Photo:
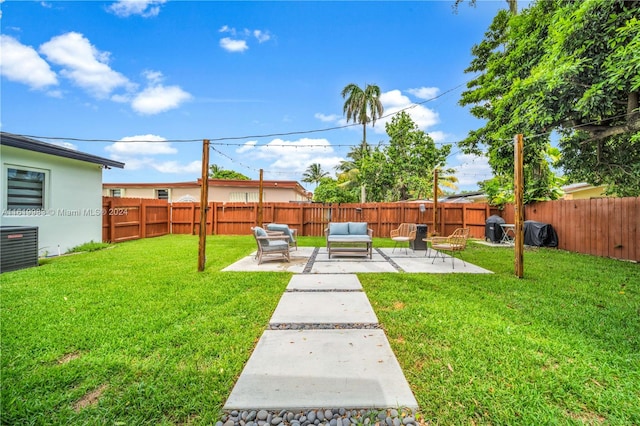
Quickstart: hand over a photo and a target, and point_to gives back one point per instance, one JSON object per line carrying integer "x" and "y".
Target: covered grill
{"x": 539, "y": 234}
{"x": 492, "y": 229}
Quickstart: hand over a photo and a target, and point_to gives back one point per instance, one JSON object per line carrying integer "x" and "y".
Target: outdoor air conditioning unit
{"x": 18, "y": 247}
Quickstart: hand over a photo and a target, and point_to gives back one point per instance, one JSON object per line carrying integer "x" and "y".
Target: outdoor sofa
{"x": 349, "y": 238}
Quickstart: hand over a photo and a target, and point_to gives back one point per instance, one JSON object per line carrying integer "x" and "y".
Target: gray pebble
{"x": 311, "y": 416}
{"x": 407, "y": 420}
{"x": 393, "y": 413}
{"x": 339, "y": 421}
{"x": 276, "y": 420}
{"x": 320, "y": 415}
{"x": 333, "y": 422}
{"x": 219, "y": 423}
{"x": 262, "y": 415}
{"x": 397, "y": 422}
{"x": 229, "y": 423}
{"x": 389, "y": 421}
{"x": 251, "y": 416}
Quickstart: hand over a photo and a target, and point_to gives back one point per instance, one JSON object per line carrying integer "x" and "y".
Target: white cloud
{"x": 138, "y": 153}
{"x": 293, "y": 157}
{"x": 231, "y": 45}
{"x": 154, "y": 77}
{"x": 394, "y": 101}
{"x": 67, "y": 145}
{"x": 238, "y": 42}
{"x": 144, "y": 8}
{"x": 84, "y": 65}
{"x": 159, "y": 98}
{"x": 472, "y": 169}
{"x": 248, "y": 146}
{"x": 439, "y": 136}
{"x": 424, "y": 92}
{"x": 176, "y": 167}
{"x": 22, "y": 64}
{"x": 261, "y": 36}
{"x": 326, "y": 118}
{"x": 141, "y": 144}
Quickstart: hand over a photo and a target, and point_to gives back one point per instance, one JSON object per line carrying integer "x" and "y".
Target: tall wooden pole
{"x": 260, "y": 190}
{"x": 204, "y": 202}
{"x": 435, "y": 202}
{"x": 518, "y": 174}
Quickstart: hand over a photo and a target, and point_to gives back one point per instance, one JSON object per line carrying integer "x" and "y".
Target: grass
{"x": 134, "y": 335}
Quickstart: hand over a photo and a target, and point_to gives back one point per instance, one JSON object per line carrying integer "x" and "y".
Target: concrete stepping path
{"x": 324, "y": 349}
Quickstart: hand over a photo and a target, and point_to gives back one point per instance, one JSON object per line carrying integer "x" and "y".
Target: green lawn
{"x": 134, "y": 335}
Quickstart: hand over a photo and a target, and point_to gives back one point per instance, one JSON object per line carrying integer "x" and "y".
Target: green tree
{"x": 565, "y": 68}
{"x": 217, "y": 172}
{"x": 314, "y": 174}
{"x": 403, "y": 169}
{"x": 411, "y": 156}
{"x": 329, "y": 191}
{"x": 362, "y": 106}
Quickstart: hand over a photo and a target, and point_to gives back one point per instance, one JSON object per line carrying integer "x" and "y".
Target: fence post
{"x": 112, "y": 225}
{"x": 143, "y": 218}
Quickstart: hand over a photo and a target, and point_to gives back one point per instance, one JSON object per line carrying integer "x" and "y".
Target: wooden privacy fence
{"x": 606, "y": 227}
{"x": 133, "y": 218}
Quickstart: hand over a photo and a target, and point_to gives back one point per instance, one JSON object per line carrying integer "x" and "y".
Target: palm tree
{"x": 362, "y": 106}
{"x": 446, "y": 179}
{"x": 314, "y": 174}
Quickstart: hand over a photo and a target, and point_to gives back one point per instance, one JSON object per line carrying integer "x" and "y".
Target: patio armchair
{"x": 271, "y": 244}
{"x": 405, "y": 233}
{"x": 454, "y": 243}
{"x": 291, "y": 232}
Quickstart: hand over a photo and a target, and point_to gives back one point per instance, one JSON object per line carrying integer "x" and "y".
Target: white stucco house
{"x": 57, "y": 189}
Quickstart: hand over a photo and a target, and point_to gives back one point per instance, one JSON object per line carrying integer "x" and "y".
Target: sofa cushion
{"x": 260, "y": 232}
{"x": 276, "y": 245}
{"x": 339, "y": 228}
{"x": 358, "y": 228}
{"x": 281, "y": 228}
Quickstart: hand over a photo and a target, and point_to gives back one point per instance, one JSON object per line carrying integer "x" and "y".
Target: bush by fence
{"x": 608, "y": 227}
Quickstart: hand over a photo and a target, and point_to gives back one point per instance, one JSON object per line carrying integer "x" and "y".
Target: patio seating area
{"x": 315, "y": 260}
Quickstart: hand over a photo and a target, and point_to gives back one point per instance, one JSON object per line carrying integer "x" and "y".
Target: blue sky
{"x": 167, "y": 71}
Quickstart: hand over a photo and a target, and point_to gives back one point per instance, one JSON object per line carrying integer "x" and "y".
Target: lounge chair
{"x": 273, "y": 244}
{"x": 292, "y": 233}
{"x": 405, "y": 233}
{"x": 454, "y": 243}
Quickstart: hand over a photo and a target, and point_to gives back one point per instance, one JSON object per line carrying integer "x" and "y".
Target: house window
{"x": 25, "y": 189}
{"x": 243, "y": 197}
{"x": 162, "y": 194}
{"x": 116, "y": 192}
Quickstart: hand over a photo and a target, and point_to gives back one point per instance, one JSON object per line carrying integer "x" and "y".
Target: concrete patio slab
{"x": 410, "y": 262}
{"x": 299, "y": 260}
{"x": 351, "y": 266}
{"x": 312, "y": 282}
{"x": 308, "y": 369}
{"x": 341, "y": 307}
{"x": 425, "y": 265}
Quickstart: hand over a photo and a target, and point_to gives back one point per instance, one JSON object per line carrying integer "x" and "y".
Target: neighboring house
{"x": 54, "y": 188}
{"x": 220, "y": 190}
{"x": 467, "y": 197}
{"x": 580, "y": 191}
